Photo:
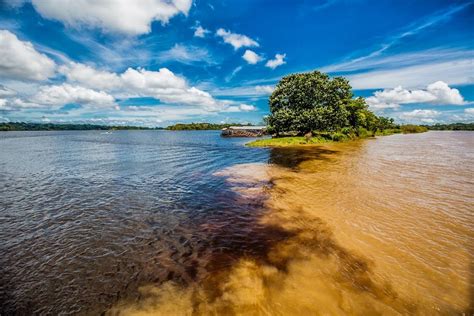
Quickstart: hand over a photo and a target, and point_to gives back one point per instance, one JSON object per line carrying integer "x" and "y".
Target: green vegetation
{"x": 22, "y": 126}
{"x": 200, "y": 126}
{"x": 407, "y": 129}
{"x": 451, "y": 127}
{"x": 287, "y": 141}
{"x": 322, "y": 109}
{"x": 313, "y": 102}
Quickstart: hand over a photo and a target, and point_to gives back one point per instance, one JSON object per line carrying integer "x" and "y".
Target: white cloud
{"x": 236, "y": 40}
{"x": 201, "y": 32}
{"x": 422, "y": 113}
{"x": 240, "y": 108}
{"x": 89, "y": 76}
{"x": 251, "y": 57}
{"x": 167, "y": 87}
{"x": 59, "y": 95}
{"x": 436, "y": 93}
{"x": 20, "y": 61}
{"x": 265, "y": 89}
{"x": 278, "y": 61}
{"x": 453, "y": 72}
{"x": 16, "y": 104}
{"x": 246, "y": 107}
{"x": 376, "y": 104}
{"x": 186, "y": 55}
{"x": 233, "y": 73}
{"x": 163, "y": 85}
{"x": 253, "y": 92}
{"x": 469, "y": 111}
{"x": 422, "y": 116}
{"x": 118, "y": 16}
{"x": 401, "y": 60}
{"x": 444, "y": 94}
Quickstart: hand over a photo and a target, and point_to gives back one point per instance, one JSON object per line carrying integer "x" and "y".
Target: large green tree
{"x": 310, "y": 101}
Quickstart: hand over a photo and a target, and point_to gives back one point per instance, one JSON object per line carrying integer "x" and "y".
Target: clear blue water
{"x": 87, "y": 217}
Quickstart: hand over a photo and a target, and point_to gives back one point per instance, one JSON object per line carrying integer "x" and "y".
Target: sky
{"x": 160, "y": 62}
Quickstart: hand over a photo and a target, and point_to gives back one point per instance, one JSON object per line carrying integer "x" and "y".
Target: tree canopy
{"x": 312, "y": 101}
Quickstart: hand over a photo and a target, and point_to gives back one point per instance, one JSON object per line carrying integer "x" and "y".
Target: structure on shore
{"x": 244, "y": 131}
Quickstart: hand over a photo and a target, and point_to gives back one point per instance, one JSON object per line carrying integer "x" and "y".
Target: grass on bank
{"x": 328, "y": 137}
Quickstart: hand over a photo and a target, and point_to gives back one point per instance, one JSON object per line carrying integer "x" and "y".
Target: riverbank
{"x": 324, "y": 137}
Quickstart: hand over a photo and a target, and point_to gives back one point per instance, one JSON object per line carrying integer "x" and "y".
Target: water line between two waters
{"x": 379, "y": 226}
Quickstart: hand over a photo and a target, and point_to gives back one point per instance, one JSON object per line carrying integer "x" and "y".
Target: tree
{"x": 355, "y": 108}
{"x": 308, "y": 102}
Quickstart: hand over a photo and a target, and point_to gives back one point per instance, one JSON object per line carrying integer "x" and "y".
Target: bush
{"x": 338, "y": 137}
{"x": 408, "y": 129}
{"x": 362, "y": 132}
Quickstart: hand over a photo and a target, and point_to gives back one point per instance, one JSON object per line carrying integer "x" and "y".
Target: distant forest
{"x": 21, "y": 126}
{"x": 201, "y": 126}
{"x": 451, "y": 127}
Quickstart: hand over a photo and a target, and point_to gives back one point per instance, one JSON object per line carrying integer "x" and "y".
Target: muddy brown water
{"x": 172, "y": 224}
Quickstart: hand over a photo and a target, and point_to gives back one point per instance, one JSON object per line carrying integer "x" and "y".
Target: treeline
{"x": 201, "y": 126}
{"x": 22, "y": 126}
{"x": 451, "y": 127}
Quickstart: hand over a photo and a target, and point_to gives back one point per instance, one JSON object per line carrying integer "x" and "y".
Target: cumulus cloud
{"x": 247, "y": 107}
{"x": 163, "y": 85}
{"x": 236, "y": 40}
{"x": 418, "y": 115}
{"x": 445, "y": 94}
{"x": 436, "y": 93}
{"x": 469, "y": 111}
{"x": 89, "y": 76}
{"x": 421, "y": 113}
{"x": 251, "y": 57}
{"x": 58, "y": 95}
{"x": 118, "y": 16}
{"x": 167, "y": 87}
{"x": 278, "y": 61}
{"x": 14, "y": 104}
{"x": 20, "y": 61}
{"x": 201, "y": 32}
{"x": 240, "y": 108}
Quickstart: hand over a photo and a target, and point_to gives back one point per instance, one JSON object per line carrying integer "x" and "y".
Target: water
{"x": 176, "y": 223}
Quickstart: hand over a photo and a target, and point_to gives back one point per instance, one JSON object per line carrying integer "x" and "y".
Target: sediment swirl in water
{"x": 176, "y": 224}
{"x": 356, "y": 237}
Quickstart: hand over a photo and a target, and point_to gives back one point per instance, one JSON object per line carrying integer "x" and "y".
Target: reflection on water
{"x": 188, "y": 223}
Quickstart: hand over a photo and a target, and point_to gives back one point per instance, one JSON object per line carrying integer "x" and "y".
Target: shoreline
{"x": 301, "y": 141}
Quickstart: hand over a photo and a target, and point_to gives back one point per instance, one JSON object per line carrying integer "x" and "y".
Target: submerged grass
{"x": 287, "y": 141}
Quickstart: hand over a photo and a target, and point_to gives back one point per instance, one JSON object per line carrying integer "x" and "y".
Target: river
{"x": 186, "y": 223}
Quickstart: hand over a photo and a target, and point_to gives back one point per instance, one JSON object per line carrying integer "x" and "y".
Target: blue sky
{"x": 157, "y": 62}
